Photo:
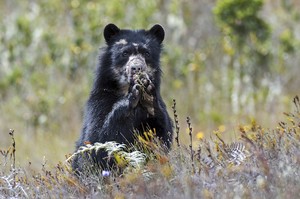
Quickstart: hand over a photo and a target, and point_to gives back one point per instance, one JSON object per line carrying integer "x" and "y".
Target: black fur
{"x": 116, "y": 108}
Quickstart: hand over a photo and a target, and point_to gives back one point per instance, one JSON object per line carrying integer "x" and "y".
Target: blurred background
{"x": 226, "y": 62}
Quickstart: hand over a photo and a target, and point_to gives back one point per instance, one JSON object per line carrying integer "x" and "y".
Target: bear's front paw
{"x": 147, "y": 89}
{"x": 135, "y": 95}
{"x": 144, "y": 80}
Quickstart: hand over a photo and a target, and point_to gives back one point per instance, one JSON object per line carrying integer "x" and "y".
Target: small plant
{"x": 115, "y": 150}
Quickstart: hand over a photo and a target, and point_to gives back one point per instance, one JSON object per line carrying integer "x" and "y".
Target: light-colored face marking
{"x": 135, "y": 45}
{"x": 122, "y": 41}
{"x": 150, "y": 71}
{"x": 145, "y": 45}
{"x": 135, "y": 64}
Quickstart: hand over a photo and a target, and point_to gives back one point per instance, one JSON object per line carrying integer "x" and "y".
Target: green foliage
{"x": 288, "y": 41}
{"x": 13, "y": 79}
{"x": 239, "y": 18}
{"x": 246, "y": 42}
{"x": 249, "y": 33}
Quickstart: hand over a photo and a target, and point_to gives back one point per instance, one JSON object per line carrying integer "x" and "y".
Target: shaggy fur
{"x": 128, "y": 70}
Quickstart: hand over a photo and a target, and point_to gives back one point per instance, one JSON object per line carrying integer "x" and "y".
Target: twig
{"x": 13, "y": 154}
{"x": 188, "y": 120}
{"x": 198, "y": 156}
{"x": 176, "y": 122}
{"x": 297, "y": 104}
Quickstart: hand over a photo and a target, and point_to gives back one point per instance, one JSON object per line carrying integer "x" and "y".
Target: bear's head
{"x": 130, "y": 52}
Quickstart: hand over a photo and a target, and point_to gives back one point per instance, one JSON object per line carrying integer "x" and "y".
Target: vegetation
{"x": 262, "y": 163}
{"x": 227, "y": 63}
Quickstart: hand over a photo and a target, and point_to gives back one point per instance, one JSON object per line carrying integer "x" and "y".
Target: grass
{"x": 260, "y": 163}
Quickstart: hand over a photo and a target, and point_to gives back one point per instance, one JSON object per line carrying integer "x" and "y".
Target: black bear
{"x": 125, "y": 98}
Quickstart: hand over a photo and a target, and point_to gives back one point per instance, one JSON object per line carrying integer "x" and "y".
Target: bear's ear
{"x": 159, "y": 33}
{"x": 110, "y": 30}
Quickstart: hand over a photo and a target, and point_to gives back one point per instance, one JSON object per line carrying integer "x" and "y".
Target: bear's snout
{"x": 136, "y": 64}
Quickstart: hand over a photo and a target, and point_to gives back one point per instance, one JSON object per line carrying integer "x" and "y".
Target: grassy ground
{"x": 260, "y": 163}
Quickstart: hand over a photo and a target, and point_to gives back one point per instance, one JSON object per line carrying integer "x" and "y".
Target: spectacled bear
{"x": 125, "y": 98}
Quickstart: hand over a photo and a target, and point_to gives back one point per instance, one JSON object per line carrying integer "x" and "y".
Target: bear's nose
{"x": 136, "y": 68}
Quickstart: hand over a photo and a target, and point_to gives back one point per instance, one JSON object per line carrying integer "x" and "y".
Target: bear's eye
{"x": 125, "y": 54}
{"x": 147, "y": 54}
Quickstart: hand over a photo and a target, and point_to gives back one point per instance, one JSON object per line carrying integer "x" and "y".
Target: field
{"x": 261, "y": 163}
{"x": 231, "y": 66}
